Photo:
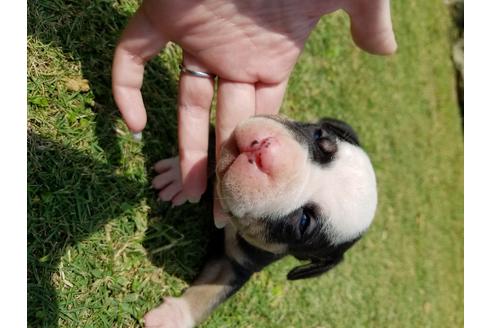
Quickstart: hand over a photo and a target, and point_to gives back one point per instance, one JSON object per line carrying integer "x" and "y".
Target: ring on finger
{"x": 186, "y": 70}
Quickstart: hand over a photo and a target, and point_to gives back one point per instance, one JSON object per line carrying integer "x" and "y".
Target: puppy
{"x": 290, "y": 188}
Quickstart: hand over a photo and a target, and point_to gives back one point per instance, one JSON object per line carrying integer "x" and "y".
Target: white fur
{"x": 346, "y": 192}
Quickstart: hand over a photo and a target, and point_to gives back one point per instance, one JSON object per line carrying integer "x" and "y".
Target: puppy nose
{"x": 261, "y": 152}
{"x": 259, "y": 144}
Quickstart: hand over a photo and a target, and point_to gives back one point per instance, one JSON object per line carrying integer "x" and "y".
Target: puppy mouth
{"x": 237, "y": 159}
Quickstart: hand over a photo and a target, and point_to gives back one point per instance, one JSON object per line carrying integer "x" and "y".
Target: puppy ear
{"x": 313, "y": 269}
{"x": 322, "y": 264}
{"x": 341, "y": 129}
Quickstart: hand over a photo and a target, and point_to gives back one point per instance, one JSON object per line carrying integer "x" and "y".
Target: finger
{"x": 139, "y": 43}
{"x": 170, "y": 191}
{"x": 371, "y": 26}
{"x": 195, "y": 97}
{"x": 269, "y": 97}
{"x": 166, "y": 164}
{"x": 179, "y": 199}
{"x": 164, "y": 179}
{"x": 235, "y": 103}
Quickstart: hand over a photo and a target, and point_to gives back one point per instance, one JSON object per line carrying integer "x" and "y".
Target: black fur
{"x": 257, "y": 258}
{"x": 313, "y": 245}
{"x": 321, "y": 137}
{"x": 341, "y": 129}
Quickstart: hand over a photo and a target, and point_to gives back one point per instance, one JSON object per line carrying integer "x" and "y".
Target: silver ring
{"x": 186, "y": 70}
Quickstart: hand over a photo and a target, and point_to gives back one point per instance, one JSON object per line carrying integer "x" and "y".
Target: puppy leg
{"x": 219, "y": 279}
{"x": 168, "y": 181}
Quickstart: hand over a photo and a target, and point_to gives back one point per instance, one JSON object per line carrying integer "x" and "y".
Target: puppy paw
{"x": 173, "y": 313}
{"x": 168, "y": 181}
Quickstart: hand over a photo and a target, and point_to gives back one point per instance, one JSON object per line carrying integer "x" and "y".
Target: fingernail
{"x": 220, "y": 220}
{"x": 137, "y": 136}
{"x": 178, "y": 203}
{"x": 219, "y": 225}
{"x": 194, "y": 200}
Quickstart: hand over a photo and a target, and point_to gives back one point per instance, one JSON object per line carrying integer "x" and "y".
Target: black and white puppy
{"x": 291, "y": 188}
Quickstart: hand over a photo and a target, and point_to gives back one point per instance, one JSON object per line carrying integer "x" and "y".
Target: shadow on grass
{"x": 71, "y": 195}
{"x": 66, "y": 207}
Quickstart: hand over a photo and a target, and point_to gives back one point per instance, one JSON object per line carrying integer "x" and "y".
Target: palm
{"x": 249, "y": 43}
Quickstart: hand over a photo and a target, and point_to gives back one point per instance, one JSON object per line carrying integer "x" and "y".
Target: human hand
{"x": 252, "y": 46}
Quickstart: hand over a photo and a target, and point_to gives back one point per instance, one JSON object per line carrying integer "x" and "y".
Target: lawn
{"x": 102, "y": 251}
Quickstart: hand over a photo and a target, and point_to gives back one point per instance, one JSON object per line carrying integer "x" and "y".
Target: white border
{"x": 13, "y": 31}
{"x": 478, "y": 164}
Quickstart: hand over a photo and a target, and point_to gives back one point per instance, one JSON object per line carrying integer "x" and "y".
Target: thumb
{"x": 139, "y": 43}
{"x": 371, "y": 26}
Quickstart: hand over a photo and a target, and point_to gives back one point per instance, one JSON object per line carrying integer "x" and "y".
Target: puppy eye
{"x": 304, "y": 222}
{"x": 324, "y": 142}
{"x": 327, "y": 146}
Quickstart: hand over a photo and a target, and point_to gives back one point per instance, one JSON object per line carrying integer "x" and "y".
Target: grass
{"x": 102, "y": 251}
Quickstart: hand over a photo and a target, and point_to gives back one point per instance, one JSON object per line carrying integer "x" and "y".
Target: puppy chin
{"x": 259, "y": 197}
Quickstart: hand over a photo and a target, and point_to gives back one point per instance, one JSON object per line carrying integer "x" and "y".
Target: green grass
{"x": 102, "y": 251}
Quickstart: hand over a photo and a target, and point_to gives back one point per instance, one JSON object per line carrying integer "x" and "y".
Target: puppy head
{"x": 305, "y": 189}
